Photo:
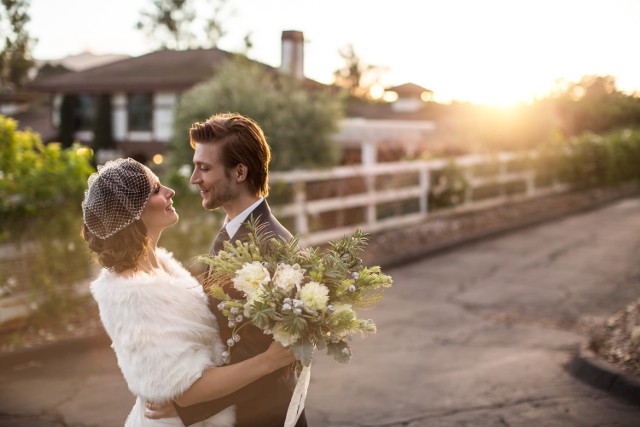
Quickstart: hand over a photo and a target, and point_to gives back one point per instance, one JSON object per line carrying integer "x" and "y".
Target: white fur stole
{"x": 162, "y": 330}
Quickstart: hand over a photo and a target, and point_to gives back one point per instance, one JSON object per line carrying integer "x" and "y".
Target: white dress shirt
{"x": 233, "y": 226}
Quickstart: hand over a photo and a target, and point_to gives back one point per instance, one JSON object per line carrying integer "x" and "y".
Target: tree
{"x": 595, "y": 104}
{"x": 356, "y": 76}
{"x": 15, "y": 53}
{"x": 298, "y": 122}
{"x": 176, "y": 24}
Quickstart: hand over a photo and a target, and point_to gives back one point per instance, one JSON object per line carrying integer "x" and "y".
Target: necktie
{"x": 221, "y": 237}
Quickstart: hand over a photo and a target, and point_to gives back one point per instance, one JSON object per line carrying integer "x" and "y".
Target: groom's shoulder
{"x": 269, "y": 222}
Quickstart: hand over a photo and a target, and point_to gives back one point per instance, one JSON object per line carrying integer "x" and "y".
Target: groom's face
{"x": 211, "y": 177}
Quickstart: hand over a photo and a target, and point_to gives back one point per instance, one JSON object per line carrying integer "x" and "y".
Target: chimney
{"x": 293, "y": 54}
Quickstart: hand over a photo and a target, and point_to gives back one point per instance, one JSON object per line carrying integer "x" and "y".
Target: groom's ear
{"x": 241, "y": 172}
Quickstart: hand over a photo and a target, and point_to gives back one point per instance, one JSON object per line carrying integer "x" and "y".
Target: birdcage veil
{"x": 116, "y": 196}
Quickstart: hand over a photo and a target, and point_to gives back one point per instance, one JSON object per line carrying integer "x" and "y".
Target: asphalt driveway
{"x": 477, "y": 336}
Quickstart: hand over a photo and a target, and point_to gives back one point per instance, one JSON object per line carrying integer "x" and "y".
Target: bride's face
{"x": 159, "y": 213}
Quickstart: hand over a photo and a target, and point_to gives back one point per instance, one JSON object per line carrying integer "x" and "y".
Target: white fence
{"x": 401, "y": 182}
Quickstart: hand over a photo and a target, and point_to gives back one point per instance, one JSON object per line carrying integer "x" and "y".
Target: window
{"x": 140, "y": 111}
{"x": 85, "y": 112}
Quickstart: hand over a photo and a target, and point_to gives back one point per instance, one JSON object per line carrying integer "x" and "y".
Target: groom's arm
{"x": 253, "y": 342}
{"x": 201, "y": 411}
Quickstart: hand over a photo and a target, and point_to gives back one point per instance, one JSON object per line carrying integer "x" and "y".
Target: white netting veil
{"x": 116, "y": 196}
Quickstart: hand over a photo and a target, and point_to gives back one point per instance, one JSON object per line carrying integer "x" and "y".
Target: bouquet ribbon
{"x": 296, "y": 406}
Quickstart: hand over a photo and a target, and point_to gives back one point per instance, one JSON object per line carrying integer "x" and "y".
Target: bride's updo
{"x": 114, "y": 200}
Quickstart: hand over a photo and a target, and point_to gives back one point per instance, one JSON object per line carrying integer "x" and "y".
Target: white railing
{"x": 301, "y": 208}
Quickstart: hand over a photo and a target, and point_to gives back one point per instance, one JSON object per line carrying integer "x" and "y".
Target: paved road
{"x": 478, "y": 336}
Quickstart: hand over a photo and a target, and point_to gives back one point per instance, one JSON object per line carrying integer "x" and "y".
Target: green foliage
{"x": 303, "y": 351}
{"x": 36, "y": 176}
{"x": 448, "y": 187}
{"x": 594, "y": 104}
{"x": 15, "y": 44}
{"x": 297, "y": 121}
{"x": 41, "y": 187}
{"x": 339, "y": 351}
{"x": 592, "y": 160}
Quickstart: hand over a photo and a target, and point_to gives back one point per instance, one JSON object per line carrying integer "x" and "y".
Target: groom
{"x": 231, "y": 168}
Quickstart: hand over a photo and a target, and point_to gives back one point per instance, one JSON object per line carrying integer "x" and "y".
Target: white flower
{"x": 250, "y": 277}
{"x": 282, "y": 336}
{"x": 314, "y": 295}
{"x": 286, "y": 277}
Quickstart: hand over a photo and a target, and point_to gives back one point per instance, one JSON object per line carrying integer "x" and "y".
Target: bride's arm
{"x": 217, "y": 382}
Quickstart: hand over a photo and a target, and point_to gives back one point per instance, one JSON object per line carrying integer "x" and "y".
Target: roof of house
{"x": 385, "y": 111}
{"x": 161, "y": 70}
{"x": 82, "y": 61}
{"x": 408, "y": 89}
{"x": 171, "y": 70}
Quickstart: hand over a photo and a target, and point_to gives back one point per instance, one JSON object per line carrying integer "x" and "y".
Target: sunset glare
{"x": 496, "y": 51}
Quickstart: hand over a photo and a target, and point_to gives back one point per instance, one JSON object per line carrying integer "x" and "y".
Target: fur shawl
{"x": 163, "y": 333}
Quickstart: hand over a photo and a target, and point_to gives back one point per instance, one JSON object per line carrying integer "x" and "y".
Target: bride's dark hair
{"x": 122, "y": 251}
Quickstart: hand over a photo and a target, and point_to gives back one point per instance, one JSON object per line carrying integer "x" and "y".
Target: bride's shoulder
{"x": 165, "y": 256}
{"x": 110, "y": 284}
{"x": 170, "y": 262}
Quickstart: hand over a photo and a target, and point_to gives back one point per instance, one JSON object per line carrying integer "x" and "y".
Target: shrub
{"x": 41, "y": 187}
{"x": 594, "y": 160}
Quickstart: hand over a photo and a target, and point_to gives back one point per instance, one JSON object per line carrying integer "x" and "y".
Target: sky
{"x": 490, "y": 51}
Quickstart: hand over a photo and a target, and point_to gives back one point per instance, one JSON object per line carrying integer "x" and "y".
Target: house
{"x": 141, "y": 94}
{"x": 388, "y": 131}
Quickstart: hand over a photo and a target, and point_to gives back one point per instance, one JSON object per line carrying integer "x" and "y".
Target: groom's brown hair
{"x": 242, "y": 142}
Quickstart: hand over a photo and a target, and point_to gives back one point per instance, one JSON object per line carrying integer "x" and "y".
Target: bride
{"x": 155, "y": 312}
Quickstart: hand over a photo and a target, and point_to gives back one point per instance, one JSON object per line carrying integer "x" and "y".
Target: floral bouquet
{"x": 306, "y": 298}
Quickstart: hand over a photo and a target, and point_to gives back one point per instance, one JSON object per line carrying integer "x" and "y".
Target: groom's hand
{"x": 155, "y": 411}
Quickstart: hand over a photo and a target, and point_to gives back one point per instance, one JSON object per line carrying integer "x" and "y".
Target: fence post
{"x": 502, "y": 178}
{"x": 424, "y": 190}
{"x": 468, "y": 191}
{"x": 531, "y": 183}
{"x": 300, "y": 199}
{"x": 371, "y": 190}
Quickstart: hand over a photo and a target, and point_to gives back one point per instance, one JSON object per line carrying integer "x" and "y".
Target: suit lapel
{"x": 260, "y": 214}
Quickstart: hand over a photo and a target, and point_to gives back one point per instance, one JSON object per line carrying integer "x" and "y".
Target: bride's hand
{"x": 159, "y": 410}
{"x": 279, "y": 355}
